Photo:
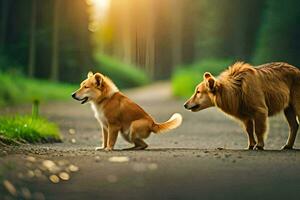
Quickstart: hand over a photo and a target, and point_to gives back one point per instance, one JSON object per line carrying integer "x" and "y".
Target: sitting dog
{"x": 117, "y": 113}
{"x": 251, "y": 95}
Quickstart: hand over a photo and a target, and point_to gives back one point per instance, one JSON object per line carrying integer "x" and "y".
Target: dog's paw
{"x": 286, "y": 147}
{"x": 250, "y": 147}
{"x": 99, "y": 148}
{"x": 260, "y": 148}
{"x": 108, "y": 149}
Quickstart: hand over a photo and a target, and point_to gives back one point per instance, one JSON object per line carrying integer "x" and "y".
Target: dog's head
{"x": 203, "y": 95}
{"x": 91, "y": 89}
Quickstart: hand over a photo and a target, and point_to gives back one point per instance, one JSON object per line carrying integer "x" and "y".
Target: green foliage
{"x": 186, "y": 78}
{"x": 24, "y": 128}
{"x": 278, "y": 39}
{"x": 16, "y": 89}
{"x": 123, "y": 75}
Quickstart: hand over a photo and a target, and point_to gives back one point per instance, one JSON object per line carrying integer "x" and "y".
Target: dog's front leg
{"x": 250, "y": 131}
{"x": 112, "y": 137}
{"x": 104, "y": 139}
{"x": 260, "y": 122}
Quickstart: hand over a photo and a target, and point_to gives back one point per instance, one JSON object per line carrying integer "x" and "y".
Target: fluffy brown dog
{"x": 251, "y": 95}
{"x": 117, "y": 113}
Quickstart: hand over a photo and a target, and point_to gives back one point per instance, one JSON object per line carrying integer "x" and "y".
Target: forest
{"x": 139, "y": 41}
{"x": 156, "y": 52}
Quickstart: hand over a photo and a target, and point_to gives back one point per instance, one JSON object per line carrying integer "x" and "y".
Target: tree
{"x": 176, "y": 32}
{"x": 227, "y": 29}
{"x": 3, "y": 24}
{"x": 279, "y": 34}
{"x": 32, "y": 40}
{"x": 55, "y": 42}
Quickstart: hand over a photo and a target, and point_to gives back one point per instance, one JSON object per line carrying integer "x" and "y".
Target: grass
{"x": 16, "y": 89}
{"x": 26, "y": 129}
{"x": 29, "y": 129}
{"x": 123, "y": 75}
{"x": 185, "y": 78}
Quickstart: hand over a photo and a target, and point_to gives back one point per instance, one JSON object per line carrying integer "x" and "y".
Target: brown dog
{"x": 117, "y": 113}
{"x": 251, "y": 95}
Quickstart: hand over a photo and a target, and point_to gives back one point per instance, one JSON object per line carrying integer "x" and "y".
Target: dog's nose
{"x": 74, "y": 95}
{"x": 186, "y": 105}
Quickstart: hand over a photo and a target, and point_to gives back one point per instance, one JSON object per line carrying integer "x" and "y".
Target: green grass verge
{"x": 123, "y": 75}
{"x": 16, "y": 89}
{"x": 185, "y": 78}
{"x": 25, "y": 129}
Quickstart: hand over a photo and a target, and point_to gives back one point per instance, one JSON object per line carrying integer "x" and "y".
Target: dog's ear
{"x": 90, "y": 74}
{"x": 210, "y": 81}
{"x": 206, "y": 75}
{"x": 98, "y": 79}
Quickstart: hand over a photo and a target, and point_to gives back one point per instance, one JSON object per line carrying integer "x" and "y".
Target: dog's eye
{"x": 86, "y": 86}
{"x": 198, "y": 92}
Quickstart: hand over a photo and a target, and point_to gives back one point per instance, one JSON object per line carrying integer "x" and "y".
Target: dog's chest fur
{"x": 99, "y": 114}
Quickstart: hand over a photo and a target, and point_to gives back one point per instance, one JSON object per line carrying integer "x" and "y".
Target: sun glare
{"x": 100, "y": 6}
{"x": 99, "y": 12}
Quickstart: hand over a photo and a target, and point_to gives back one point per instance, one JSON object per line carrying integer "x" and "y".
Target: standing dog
{"x": 117, "y": 113}
{"x": 251, "y": 95}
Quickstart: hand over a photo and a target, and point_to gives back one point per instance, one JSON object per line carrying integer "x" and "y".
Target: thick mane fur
{"x": 235, "y": 74}
{"x": 230, "y": 95}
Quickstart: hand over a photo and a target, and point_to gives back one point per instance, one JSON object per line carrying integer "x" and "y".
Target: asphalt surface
{"x": 202, "y": 159}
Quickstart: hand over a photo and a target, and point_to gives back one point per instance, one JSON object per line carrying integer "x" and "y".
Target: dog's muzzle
{"x": 192, "y": 108}
{"x": 83, "y": 100}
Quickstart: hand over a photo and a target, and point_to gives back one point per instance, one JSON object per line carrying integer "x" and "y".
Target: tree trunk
{"x": 126, "y": 30}
{"x": 32, "y": 41}
{"x": 3, "y": 24}
{"x": 55, "y": 39}
{"x": 150, "y": 41}
{"x": 176, "y": 32}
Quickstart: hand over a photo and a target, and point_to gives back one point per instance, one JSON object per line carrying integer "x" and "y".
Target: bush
{"x": 185, "y": 78}
{"x": 123, "y": 75}
{"x": 16, "y": 89}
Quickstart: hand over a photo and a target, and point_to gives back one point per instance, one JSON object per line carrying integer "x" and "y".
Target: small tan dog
{"x": 251, "y": 95}
{"x": 117, "y": 113}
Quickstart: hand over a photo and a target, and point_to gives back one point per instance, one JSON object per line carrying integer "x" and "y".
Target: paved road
{"x": 203, "y": 159}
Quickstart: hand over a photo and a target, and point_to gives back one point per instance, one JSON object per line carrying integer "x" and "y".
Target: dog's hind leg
{"x": 291, "y": 118}
{"x": 140, "y": 144}
{"x": 292, "y": 112}
{"x": 250, "y": 131}
{"x": 296, "y": 100}
{"x": 139, "y": 129}
{"x": 297, "y": 107}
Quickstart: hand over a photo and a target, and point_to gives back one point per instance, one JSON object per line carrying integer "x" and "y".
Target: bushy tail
{"x": 172, "y": 123}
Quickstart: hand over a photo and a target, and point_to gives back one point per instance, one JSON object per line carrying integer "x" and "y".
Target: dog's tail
{"x": 172, "y": 123}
